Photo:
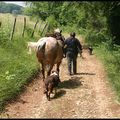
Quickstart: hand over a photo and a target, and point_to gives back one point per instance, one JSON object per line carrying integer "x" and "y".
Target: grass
{"x": 111, "y": 60}
{"x": 15, "y": 69}
{"x": 16, "y": 66}
{"x": 8, "y": 21}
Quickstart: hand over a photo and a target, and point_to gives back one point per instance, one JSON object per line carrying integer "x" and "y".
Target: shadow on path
{"x": 59, "y": 93}
{"x": 72, "y": 83}
{"x": 85, "y": 73}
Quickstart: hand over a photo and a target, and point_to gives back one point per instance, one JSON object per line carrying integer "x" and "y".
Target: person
{"x": 90, "y": 50}
{"x": 72, "y": 47}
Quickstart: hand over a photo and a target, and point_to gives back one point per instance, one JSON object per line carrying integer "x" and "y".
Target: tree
{"x": 91, "y": 17}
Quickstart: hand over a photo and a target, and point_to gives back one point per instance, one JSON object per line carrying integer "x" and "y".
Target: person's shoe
{"x": 74, "y": 73}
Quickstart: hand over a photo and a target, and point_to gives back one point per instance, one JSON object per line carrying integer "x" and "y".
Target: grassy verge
{"x": 16, "y": 66}
{"x": 111, "y": 60}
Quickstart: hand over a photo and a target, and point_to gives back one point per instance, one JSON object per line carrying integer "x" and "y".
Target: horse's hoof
{"x": 45, "y": 91}
{"x": 48, "y": 99}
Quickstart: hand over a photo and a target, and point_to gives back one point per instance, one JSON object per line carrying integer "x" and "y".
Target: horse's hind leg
{"x": 49, "y": 70}
{"x": 43, "y": 71}
{"x": 47, "y": 96}
{"x": 58, "y": 66}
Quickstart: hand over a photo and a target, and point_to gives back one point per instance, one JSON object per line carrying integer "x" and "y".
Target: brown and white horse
{"x": 49, "y": 54}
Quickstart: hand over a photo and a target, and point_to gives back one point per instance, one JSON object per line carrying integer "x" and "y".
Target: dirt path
{"x": 85, "y": 95}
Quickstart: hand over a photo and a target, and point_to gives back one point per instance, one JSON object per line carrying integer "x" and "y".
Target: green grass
{"x": 8, "y": 21}
{"x": 16, "y": 66}
{"x": 111, "y": 60}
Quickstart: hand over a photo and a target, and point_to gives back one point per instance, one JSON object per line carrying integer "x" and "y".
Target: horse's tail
{"x": 42, "y": 47}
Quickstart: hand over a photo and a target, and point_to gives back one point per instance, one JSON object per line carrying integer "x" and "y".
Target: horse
{"x": 49, "y": 54}
{"x": 32, "y": 46}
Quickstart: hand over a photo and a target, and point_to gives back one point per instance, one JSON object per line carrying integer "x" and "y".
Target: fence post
{"x": 11, "y": 37}
{"x": 40, "y": 26}
{"x": 24, "y": 26}
{"x": 44, "y": 28}
{"x": 0, "y": 24}
{"x": 34, "y": 28}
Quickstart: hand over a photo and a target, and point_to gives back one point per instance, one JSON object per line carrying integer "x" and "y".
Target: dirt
{"x": 85, "y": 95}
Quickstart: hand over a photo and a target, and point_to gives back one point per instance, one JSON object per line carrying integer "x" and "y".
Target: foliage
{"x": 82, "y": 16}
{"x": 52, "y": 24}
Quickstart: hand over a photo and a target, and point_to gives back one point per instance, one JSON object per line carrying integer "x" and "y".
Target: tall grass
{"x": 16, "y": 66}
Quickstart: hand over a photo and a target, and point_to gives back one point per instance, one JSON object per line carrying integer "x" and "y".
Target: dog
{"x": 90, "y": 50}
{"x": 50, "y": 83}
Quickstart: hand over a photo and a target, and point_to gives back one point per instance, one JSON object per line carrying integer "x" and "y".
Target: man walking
{"x": 72, "y": 48}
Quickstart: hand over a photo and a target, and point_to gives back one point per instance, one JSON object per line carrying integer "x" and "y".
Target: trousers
{"x": 72, "y": 62}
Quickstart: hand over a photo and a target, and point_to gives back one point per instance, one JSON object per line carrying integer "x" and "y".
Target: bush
{"x": 52, "y": 24}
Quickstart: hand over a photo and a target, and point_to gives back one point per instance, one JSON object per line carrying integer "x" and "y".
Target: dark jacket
{"x": 73, "y": 45}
